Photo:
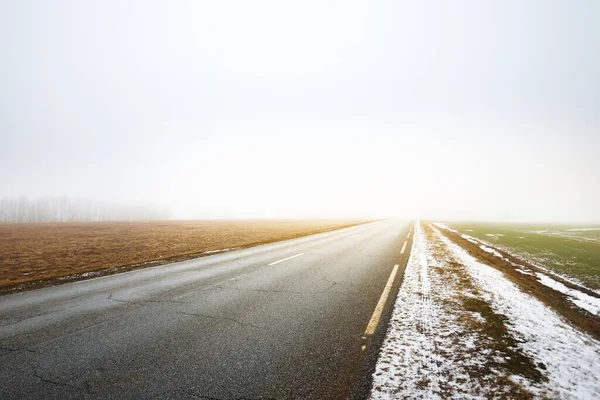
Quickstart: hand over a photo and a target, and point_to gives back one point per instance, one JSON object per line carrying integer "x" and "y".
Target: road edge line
{"x": 374, "y": 321}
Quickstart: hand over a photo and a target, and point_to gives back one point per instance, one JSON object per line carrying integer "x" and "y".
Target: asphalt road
{"x": 284, "y": 320}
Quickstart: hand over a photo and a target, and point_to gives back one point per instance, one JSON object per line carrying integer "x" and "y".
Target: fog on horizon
{"x": 473, "y": 110}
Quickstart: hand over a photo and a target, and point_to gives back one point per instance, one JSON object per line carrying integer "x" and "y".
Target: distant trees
{"x": 63, "y": 209}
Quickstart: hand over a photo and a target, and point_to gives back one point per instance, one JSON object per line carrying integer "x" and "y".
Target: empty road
{"x": 301, "y": 318}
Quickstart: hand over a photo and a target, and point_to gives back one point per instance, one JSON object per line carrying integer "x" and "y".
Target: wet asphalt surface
{"x": 226, "y": 326}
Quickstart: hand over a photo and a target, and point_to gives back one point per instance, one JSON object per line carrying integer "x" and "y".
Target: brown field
{"x": 38, "y": 254}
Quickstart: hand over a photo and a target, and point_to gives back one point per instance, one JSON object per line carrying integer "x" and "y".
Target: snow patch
{"x": 524, "y": 272}
{"x": 444, "y": 226}
{"x": 219, "y": 251}
{"x": 582, "y": 300}
{"x": 571, "y": 358}
{"x": 426, "y": 349}
{"x": 491, "y": 251}
{"x": 470, "y": 238}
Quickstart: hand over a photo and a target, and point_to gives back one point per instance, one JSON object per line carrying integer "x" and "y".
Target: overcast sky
{"x": 433, "y": 109}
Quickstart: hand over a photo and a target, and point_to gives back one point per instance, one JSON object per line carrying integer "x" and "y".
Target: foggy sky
{"x": 430, "y": 109}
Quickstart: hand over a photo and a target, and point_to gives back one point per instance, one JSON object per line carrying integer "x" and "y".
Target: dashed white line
{"x": 408, "y": 237}
{"x": 285, "y": 259}
{"x": 403, "y": 247}
{"x": 352, "y": 236}
{"x": 382, "y": 300}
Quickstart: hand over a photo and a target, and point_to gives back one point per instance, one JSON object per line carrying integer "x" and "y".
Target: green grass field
{"x": 571, "y": 250}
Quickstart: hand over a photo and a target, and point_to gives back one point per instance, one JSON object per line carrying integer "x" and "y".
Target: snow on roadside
{"x": 408, "y": 365}
{"x": 219, "y": 250}
{"x": 571, "y": 358}
{"x": 431, "y": 349}
{"x": 438, "y": 347}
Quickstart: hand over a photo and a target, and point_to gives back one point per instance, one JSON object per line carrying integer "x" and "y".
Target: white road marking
{"x": 285, "y": 259}
{"x": 382, "y": 300}
{"x": 352, "y": 236}
{"x": 403, "y": 247}
{"x": 408, "y": 237}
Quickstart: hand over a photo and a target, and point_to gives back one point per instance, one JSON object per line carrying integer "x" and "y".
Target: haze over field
{"x": 477, "y": 110}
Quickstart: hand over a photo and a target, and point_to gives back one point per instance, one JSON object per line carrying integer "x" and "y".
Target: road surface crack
{"x": 26, "y": 318}
{"x": 223, "y": 318}
{"x": 206, "y": 397}
{"x": 110, "y": 297}
{"x": 143, "y": 302}
{"x": 219, "y": 287}
{"x": 165, "y": 301}
{"x": 55, "y": 383}
{"x": 56, "y": 311}
{"x": 19, "y": 349}
{"x": 85, "y": 389}
{"x": 333, "y": 283}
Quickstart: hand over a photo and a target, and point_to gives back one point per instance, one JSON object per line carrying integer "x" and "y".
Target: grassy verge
{"x": 571, "y": 250}
{"x": 445, "y": 339}
{"x": 478, "y": 317}
{"x": 32, "y": 255}
{"x": 528, "y": 283}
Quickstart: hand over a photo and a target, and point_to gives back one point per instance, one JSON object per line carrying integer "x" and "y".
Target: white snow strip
{"x": 536, "y": 263}
{"x": 444, "y": 226}
{"x": 524, "y": 272}
{"x": 470, "y": 238}
{"x": 219, "y": 251}
{"x": 582, "y": 300}
{"x": 491, "y": 251}
{"x": 571, "y": 358}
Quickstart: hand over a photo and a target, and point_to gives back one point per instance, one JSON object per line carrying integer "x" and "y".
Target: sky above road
{"x": 429, "y": 109}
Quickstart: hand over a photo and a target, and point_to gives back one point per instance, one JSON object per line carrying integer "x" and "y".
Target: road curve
{"x": 283, "y": 320}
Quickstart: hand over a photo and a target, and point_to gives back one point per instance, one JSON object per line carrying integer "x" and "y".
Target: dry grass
{"x": 490, "y": 328}
{"x": 32, "y": 255}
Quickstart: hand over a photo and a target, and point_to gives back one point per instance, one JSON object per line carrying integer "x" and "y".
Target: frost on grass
{"x": 436, "y": 345}
{"x": 460, "y": 329}
{"x": 570, "y": 359}
{"x": 580, "y": 299}
{"x": 577, "y": 297}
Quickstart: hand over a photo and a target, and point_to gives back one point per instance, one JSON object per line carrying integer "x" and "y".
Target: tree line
{"x": 64, "y": 209}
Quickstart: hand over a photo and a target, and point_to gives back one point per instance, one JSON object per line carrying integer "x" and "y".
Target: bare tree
{"x": 62, "y": 209}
